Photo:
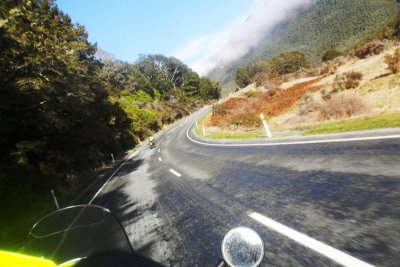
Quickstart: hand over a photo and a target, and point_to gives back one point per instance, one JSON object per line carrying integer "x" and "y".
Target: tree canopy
{"x": 63, "y": 111}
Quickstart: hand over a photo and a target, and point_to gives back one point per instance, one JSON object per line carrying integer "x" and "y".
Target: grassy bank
{"x": 365, "y": 123}
{"x": 226, "y": 134}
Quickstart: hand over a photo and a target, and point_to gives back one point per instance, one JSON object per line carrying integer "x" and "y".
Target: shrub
{"x": 220, "y": 109}
{"x": 325, "y": 69}
{"x": 327, "y": 92}
{"x": 393, "y": 61}
{"x": 353, "y": 79}
{"x": 248, "y": 120}
{"x": 330, "y": 54}
{"x": 260, "y": 78}
{"x": 342, "y": 107}
{"x": 251, "y": 94}
{"x": 307, "y": 104}
{"x": 347, "y": 80}
{"x": 372, "y": 48}
{"x": 266, "y": 80}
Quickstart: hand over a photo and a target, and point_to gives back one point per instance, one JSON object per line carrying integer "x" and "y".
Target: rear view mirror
{"x": 242, "y": 247}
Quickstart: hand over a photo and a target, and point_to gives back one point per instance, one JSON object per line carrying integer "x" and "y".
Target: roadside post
{"x": 55, "y": 199}
{"x": 112, "y": 158}
{"x": 204, "y": 131}
{"x": 197, "y": 125}
{"x": 265, "y": 125}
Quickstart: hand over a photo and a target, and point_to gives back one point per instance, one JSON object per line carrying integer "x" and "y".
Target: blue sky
{"x": 204, "y": 34}
{"x": 127, "y": 28}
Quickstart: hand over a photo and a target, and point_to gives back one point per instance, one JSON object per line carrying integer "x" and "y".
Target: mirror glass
{"x": 242, "y": 247}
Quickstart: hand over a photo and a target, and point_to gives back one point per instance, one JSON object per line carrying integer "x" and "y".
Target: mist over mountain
{"x": 311, "y": 28}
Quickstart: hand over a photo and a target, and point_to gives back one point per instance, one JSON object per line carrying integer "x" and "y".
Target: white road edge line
{"x": 328, "y": 251}
{"x": 176, "y": 173}
{"x": 159, "y": 150}
{"x": 112, "y": 175}
{"x": 159, "y": 159}
{"x": 293, "y": 143}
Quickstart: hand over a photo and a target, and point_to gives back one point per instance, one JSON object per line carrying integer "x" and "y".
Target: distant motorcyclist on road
{"x": 152, "y": 142}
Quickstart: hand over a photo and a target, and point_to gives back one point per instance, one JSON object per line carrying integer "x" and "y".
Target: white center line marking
{"x": 176, "y": 173}
{"x": 159, "y": 159}
{"x": 159, "y": 150}
{"x": 328, "y": 251}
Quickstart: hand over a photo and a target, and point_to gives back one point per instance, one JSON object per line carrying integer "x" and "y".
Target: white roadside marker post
{"x": 204, "y": 131}
{"x": 197, "y": 125}
{"x": 265, "y": 125}
{"x": 55, "y": 199}
{"x": 112, "y": 157}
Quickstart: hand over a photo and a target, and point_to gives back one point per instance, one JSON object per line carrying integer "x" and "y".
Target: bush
{"x": 330, "y": 54}
{"x": 266, "y": 80}
{"x": 248, "y": 120}
{"x": 327, "y": 92}
{"x": 307, "y": 104}
{"x": 372, "y": 48}
{"x": 220, "y": 109}
{"x": 251, "y": 94}
{"x": 342, "y": 107}
{"x": 347, "y": 80}
{"x": 326, "y": 69}
{"x": 393, "y": 61}
{"x": 353, "y": 79}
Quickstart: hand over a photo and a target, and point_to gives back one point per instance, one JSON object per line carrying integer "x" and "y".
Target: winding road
{"x": 330, "y": 200}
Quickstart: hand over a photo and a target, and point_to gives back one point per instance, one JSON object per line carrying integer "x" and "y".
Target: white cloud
{"x": 208, "y": 52}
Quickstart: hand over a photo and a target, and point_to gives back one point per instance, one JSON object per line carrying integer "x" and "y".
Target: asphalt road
{"x": 176, "y": 201}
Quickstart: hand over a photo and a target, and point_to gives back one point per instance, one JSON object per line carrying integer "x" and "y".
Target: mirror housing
{"x": 242, "y": 247}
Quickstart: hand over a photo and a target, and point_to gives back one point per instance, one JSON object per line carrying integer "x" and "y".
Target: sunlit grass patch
{"x": 365, "y": 123}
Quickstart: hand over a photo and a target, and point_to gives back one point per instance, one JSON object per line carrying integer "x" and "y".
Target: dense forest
{"x": 325, "y": 24}
{"x": 63, "y": 111}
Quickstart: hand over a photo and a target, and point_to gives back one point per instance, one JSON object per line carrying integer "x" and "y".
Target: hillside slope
{"x": 348, "y": 87}
{"x": 325, "y": 24}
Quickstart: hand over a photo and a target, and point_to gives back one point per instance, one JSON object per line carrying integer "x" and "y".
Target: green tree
{"x": 52, "y": 100}
{"x": 288, "y": 62}
{"x": 242, "y": 77}
{"x": 209, "y": 89}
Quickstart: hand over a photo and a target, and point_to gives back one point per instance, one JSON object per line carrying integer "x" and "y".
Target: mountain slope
{"x": 325, "y": 24}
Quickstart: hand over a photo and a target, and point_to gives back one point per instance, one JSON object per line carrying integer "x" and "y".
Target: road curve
{"x": 176, "y": 201}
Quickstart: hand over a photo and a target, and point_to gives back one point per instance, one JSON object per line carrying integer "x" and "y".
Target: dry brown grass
{"x": 393, "y": 61}
{"x": 307, "y": 104}
{"x": 342, "y": 107}
{"x": 345, "y": 81}
{"x": 245, "y": 111}
{"x": 284, "y": 100}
